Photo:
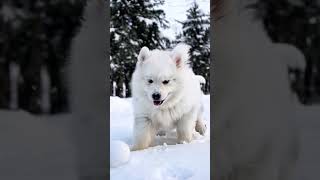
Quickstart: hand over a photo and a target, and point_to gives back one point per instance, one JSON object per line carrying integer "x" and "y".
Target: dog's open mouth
{"x": 158, "y": 103}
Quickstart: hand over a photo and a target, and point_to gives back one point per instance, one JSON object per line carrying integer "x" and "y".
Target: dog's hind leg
{"x": 200, "y": 126}
{"x": 144, "y": 134}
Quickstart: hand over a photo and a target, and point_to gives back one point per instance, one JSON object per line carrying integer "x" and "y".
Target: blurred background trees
{"x": 35, "y": 39}
{"x": 297, "y": 23}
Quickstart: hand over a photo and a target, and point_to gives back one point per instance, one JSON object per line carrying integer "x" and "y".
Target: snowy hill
{"x": 166, "y": 160}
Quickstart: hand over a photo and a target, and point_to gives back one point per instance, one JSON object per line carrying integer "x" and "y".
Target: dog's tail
{"x": 292, "y": 56}
{"x": 201, "y": 79}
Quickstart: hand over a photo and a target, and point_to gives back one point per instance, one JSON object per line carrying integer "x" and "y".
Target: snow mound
{"x": 119, "y": 153}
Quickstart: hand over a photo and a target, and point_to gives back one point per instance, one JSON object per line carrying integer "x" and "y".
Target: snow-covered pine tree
{"x": 195, "y": 33}
{"x": 134, "y": 24}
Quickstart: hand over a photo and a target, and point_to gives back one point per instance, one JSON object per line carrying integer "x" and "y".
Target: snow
{"x": 146, "y": 20}
{"x": 116, "y": 36}
{"x": 134, "y": 42}
{"x": 166, "y": 160}
{"x": 119, "y": 153}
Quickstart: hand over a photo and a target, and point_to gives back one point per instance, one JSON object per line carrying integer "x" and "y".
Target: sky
{"x": 176, "y": 10}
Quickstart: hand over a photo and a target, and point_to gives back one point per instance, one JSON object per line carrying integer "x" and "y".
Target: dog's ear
{"x": 143, "y": 55}
{"x": 180, "y": 54}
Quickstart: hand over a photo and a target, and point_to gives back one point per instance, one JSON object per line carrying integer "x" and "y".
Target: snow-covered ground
{"x": 166, "y": 160}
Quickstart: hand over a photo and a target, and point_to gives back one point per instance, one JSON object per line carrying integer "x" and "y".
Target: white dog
{"x": 166, "y": 95}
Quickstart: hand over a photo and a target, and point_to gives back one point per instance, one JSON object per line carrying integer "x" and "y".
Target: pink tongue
{"x": 156, "y": 103}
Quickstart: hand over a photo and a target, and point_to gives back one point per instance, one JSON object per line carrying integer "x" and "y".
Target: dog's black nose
{"x": 156, "y": 96}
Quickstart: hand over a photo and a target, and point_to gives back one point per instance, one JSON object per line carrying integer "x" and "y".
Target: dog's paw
{"x": 138, "y": 147}
{"x": 200, "y": 127}
{"x": 183, "y": 141}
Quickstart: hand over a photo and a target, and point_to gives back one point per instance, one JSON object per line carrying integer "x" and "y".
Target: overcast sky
{"x": 176, "y": 10}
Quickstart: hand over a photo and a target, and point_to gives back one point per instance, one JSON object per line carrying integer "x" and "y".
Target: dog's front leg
{"x": 185, "y": 127}
{"x": 144, "y": 133}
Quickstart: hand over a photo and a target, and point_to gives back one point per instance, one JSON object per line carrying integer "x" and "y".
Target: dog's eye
{"x": 165, "y": 81}
{"x": 150, "y": 81}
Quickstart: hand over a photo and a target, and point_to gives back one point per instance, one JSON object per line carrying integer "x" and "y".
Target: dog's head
{"x": 160, "y": 72}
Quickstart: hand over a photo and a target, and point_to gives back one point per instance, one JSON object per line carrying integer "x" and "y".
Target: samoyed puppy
{"x": 166, "y": 95}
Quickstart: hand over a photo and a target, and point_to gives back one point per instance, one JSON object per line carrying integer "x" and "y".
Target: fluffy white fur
{"x": 181, "y": 96}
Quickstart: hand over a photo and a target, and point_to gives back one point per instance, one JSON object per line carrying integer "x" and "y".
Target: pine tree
{"x": 134, "y": 24}
{"x": 195, "y": 33}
